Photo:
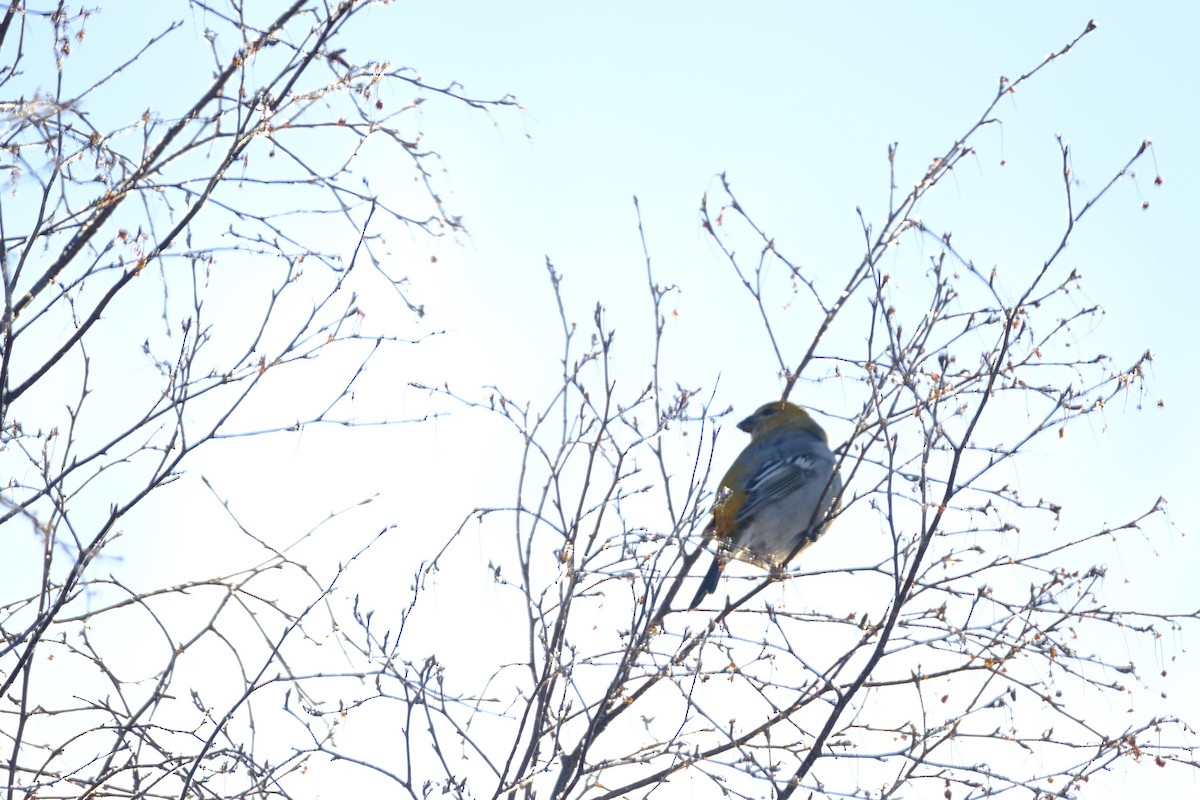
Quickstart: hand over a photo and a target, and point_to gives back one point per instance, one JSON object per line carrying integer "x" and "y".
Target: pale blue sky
{"x": 797, "y": 103}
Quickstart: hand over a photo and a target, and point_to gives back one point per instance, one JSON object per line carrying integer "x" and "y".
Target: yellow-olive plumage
{"x": 779, "y": 494}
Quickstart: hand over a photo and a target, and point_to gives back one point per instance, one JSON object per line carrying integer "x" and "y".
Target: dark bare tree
{"x": 171, "y": 277}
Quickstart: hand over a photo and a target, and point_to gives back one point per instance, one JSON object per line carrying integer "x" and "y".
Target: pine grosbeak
{"x": 767, "y": 506}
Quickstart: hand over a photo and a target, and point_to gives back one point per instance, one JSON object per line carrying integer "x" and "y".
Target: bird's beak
{"x": 746, "y": 425}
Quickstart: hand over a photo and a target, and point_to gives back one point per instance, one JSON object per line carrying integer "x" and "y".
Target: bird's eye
{"x": 768, "y": 411}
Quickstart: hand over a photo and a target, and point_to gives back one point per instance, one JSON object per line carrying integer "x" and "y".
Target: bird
{"x": 779, "y": 495}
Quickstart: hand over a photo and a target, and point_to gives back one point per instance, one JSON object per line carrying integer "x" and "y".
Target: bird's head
{"x": 780, "y": 414}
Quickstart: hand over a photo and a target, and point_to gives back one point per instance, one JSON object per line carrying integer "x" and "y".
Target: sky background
{"x": 796, "y": 103}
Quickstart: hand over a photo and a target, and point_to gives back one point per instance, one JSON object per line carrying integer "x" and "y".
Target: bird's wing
{"x": 775, "y": 480}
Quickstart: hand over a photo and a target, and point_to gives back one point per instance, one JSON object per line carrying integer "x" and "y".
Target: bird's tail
{"x": 709, "y": 585}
